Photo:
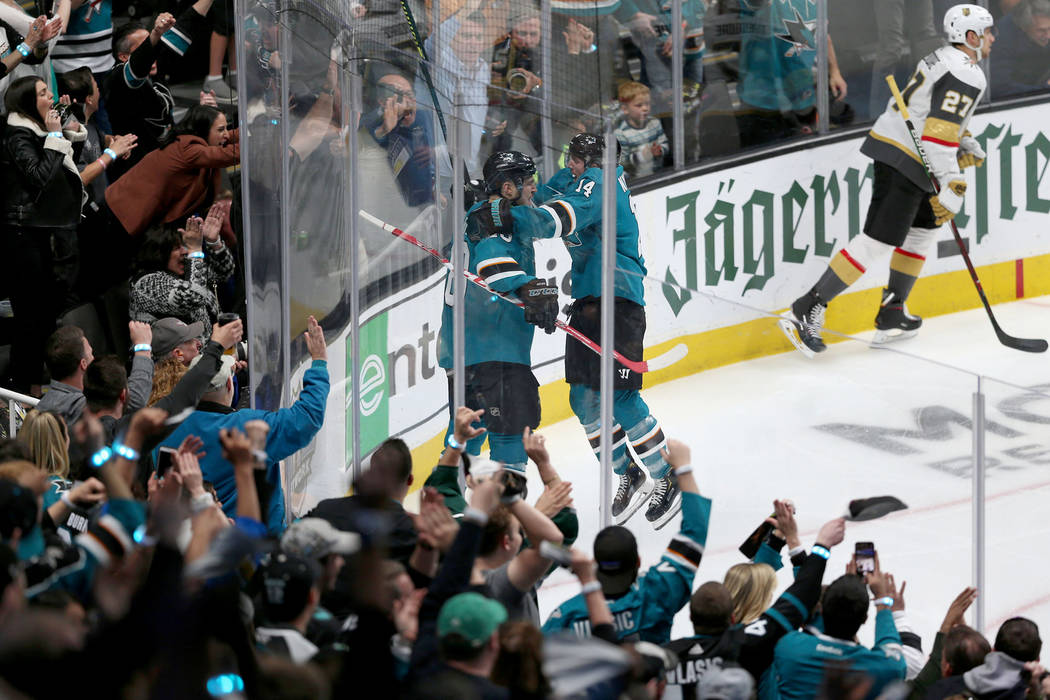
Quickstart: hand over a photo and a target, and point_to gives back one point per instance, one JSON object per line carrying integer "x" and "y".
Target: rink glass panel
{"x": 301, "y": 227}
{"x": 1017, "y": 454}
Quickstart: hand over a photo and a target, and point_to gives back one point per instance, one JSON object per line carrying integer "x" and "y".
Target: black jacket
{"x": 39, "y": 189}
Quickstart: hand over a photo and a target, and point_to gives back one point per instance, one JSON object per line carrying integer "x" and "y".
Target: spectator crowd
{"x": 145, "y": 550}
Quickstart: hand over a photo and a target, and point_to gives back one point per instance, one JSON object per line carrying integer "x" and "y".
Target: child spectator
{"x": 641, "y": 137}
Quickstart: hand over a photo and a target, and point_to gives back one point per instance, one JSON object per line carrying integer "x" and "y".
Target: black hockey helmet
{"x": 502, "y": 166}
{"x": 590, "y": 148}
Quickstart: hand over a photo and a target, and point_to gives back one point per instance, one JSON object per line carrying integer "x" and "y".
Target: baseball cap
{"x": 616, "y": 552}
{"x": 472, "y": 616}
{"x": 226, "y": 363}
{"x": 725, "y": 684}
{"x": 286, "y": 583}
{"x": 171, "y": 332}
{"x": 315, "y": 538}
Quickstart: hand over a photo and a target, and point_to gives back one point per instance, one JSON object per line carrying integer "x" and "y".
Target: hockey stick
{"x": 1024, "y": 344}
{"x": 665, "y": 360}
{"x": 417, "y": 40}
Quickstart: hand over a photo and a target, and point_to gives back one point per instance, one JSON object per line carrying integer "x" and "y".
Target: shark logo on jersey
{"x": 796, "y": 34}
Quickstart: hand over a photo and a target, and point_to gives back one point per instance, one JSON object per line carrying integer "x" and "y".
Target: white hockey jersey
{"x": 941, "y": 97}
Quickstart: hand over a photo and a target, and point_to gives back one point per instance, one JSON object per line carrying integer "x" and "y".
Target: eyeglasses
{"x": 386, "y": 91}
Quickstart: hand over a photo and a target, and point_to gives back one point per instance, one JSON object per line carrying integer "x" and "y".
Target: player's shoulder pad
{"x": 962, "y": 69}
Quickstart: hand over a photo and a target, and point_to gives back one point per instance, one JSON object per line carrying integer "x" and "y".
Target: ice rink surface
{"x": 858, "y": 422}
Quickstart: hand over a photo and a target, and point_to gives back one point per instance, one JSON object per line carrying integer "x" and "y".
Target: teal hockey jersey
{"x": 646, "y": 611}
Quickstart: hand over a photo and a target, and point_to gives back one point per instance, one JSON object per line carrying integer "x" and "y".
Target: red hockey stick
{"x": 665, "y": 360}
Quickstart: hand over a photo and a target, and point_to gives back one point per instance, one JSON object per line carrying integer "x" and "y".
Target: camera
{"x": 517, "y": 80}
{"x": 64, "y": 111}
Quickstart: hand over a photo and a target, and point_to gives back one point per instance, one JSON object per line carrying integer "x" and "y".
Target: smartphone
{"x": 165, "y": 460}
{"x": 864, "y": 557}
{"x": 556, "y": 553}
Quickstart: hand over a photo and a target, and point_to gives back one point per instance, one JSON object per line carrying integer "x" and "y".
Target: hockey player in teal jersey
{"x": 644, "y": 606}
{"x": 801, "y": 659}
{"x": 574, "y": 210}
{"x": 498, "y": 352}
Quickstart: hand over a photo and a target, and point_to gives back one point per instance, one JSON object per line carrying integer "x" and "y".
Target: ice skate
{"x": 665, "y": 502}
{"x": 632, "y": 492}
{"x": 803, "y": 322}
{"x": 893, "y": 321}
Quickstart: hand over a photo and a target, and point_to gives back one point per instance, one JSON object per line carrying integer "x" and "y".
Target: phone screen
{"x": 864, "y": 556}
{"x": 165, "y": 458}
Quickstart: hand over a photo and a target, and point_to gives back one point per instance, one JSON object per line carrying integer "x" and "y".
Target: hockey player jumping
{"x": 905, "y": 213}
{"x": 575, "y": 214}
{"x": 498, "y": 350}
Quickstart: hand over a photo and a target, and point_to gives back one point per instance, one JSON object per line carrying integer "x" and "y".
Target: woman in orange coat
{"x": 180, "y": 178}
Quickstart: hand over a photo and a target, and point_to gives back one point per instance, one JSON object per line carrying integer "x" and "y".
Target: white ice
{"x": 753, "y": 431}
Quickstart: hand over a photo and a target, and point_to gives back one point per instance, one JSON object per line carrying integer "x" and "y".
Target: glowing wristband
{"x": 55, "y": 134}
{"x": 453, "y": 443}
{"x": 886, "y": 600}
{"x": 65, "y": 499}
{"x": 111, "y": 153}
{"x": 822, "y": 552}
{"x": 590, "y": 587}
{"x": 24, "y": 49}
{"x": 196, "y": 255}
{"x": 101, "y": 457}
{"x": 684, "y": 469}
{"x": 125, "y": 451}
{"x": 142, "y": 347}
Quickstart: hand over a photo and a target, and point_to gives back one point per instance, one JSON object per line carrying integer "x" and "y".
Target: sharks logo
{"x": 798, "y": 33}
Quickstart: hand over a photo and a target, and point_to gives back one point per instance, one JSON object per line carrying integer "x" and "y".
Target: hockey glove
{"x": 947, "y": 203}
{"x": 494, "y": 219}
{"x": 970, "y": 152}
{"x": 541, "y": 303}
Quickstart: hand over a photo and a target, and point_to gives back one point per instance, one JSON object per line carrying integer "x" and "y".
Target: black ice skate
{"x": 665, "y": 502}
{"x": 893, "y": 321}
{"x": 632, "y": 492}
{"x": 803, "y": 322}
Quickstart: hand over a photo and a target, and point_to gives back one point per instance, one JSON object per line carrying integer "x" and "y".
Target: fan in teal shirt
{"x": 801, "y": 658}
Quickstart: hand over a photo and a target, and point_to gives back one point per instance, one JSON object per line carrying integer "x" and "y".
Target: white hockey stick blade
{"x": 667, "y": 517}
{"x": 641, "y": 497}
{"x": 892, "y": 336}
{"x": 675, "y": 354}
{"x": 790, "y": 329}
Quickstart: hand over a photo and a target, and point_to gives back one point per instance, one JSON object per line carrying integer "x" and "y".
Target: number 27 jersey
{"x": 941, "y": 96}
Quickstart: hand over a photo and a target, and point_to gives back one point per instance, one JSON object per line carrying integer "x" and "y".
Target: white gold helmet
{"x": 960, "y": 19}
